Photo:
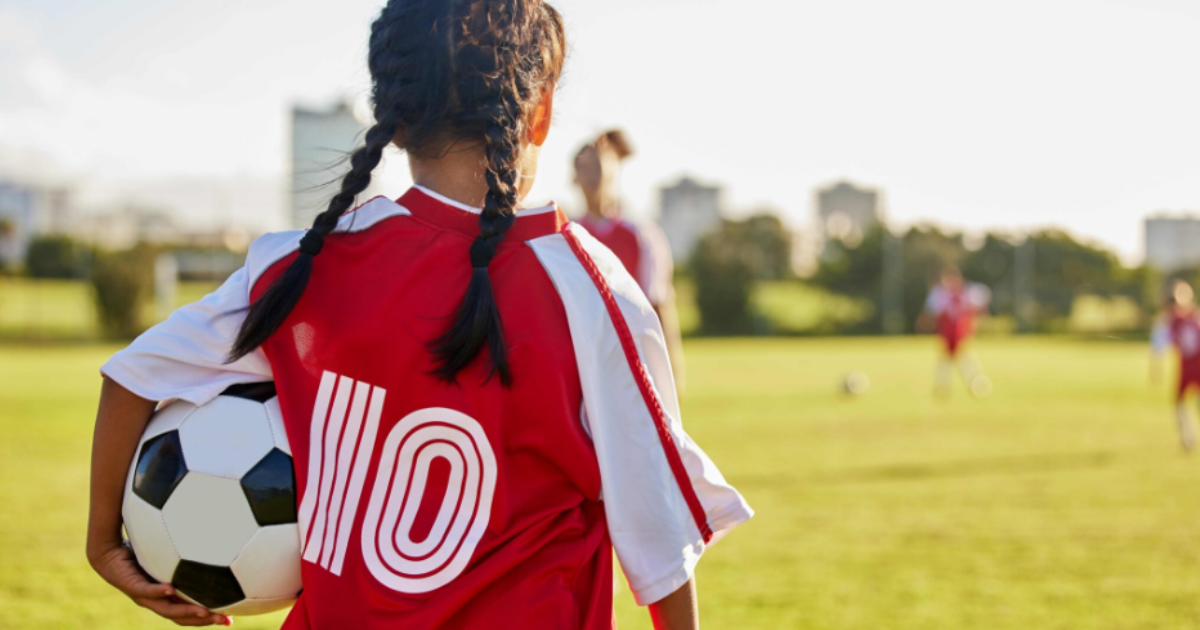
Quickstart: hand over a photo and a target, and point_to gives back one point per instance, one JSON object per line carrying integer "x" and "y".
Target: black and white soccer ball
{"x": 210, "y": 502}
{"x": 856, "y": 384}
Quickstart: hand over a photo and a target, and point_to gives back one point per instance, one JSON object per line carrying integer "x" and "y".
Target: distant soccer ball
{"x": 856, "y": 384}
{"x": 210, "y": 503}
{"x": 981, "y": 386}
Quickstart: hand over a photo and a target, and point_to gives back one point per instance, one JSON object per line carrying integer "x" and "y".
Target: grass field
{"x": 63, "y": 310}
{"x": 1059, "y": 502}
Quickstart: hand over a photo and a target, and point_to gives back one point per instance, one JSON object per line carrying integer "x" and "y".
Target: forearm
{"x": 120, "y": 421}
{"x": 677, "y": 611}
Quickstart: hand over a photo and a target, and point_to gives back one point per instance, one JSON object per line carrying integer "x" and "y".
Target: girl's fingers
{"x": 181, "y": 611}
{"x": 212, "y": 620}
{"x": 122, "y": 571}
{"x": 198, "y": 622}
{"x": 141, "y": 588}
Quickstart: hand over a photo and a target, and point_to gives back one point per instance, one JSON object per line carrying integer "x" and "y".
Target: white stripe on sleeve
{"x": 656, "y": 533}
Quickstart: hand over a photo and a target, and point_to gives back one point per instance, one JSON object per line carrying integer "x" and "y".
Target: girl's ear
{"x": 539, "y": 125}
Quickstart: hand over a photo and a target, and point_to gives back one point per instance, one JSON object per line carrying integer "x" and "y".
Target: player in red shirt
{"x": 951, "y": 310}
{"x": 641, "y": 248}
{"x": 1179, "y": 326}
{"x": 476, "y": 393}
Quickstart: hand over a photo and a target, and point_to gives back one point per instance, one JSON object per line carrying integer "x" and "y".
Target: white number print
{"x": 392, "y": 556}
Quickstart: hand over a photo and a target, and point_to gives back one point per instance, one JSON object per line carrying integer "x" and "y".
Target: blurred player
{"x": 642, "y": 249}
{"x": 1179, "y": 326}
{"x": 951, "y": 310}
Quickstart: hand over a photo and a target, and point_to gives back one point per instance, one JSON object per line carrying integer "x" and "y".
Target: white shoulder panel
{"x": 1160, "y": 336}
{"x": 937, "y": 301}
{"x": 184, "y": 356}
{"x": 658, "y": 535}
{"x": 272, "y": 247}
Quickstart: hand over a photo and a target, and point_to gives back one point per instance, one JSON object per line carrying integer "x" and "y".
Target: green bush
{"x": 122, "y": 282}
{"x": 724, "y": 275}
{"x": 55, "y": 257}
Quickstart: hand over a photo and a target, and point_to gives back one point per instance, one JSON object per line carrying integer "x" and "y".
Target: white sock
{"x": 969, "y": 367}
{"x": 1187, "y": 435}
{"x": 944, "y": 375}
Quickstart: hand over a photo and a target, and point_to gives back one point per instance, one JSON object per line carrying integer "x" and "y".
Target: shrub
{"x": 54, "y": 257}
{"x": 724, "y": 273}
{"x": 122, "y": 282}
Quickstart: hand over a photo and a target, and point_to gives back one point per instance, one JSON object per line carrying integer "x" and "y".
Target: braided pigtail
{"x": 444, "y": 72}
{"x": 477, "y": 321}
{"x": 270, "y": 310}
{"x": 500, "y": 64}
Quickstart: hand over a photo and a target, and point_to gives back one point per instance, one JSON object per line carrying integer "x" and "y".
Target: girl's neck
{"x": 458, "y": 175}
{"x": 601, "y": 206}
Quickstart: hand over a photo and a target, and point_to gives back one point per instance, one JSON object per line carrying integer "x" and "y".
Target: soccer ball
{"x": 856, "y": 384}
{"x": 210, "y": 502}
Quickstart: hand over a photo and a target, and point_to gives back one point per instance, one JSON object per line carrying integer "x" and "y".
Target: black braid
{"x": 270, "y": 310}
{"x": 493, "y": 99}
{"x": 443, "y": 71}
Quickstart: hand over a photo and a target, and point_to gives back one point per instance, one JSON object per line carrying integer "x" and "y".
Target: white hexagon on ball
{"x": 168, "y": 418}
{"x": 209, "y": 519}
{"x": 148, "y": 534}
{"x": 257, "y": 606}
{"x": 278, "y": 430}
{"x": 269, "y": 566}
{"x": 228, "y": 439}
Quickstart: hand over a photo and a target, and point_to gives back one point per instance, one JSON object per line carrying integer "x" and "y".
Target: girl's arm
{"x": 119, "y": 425}
{"x": 678, "y": 610}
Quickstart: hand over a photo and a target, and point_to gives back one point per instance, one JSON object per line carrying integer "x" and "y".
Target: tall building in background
{"x": 321, "y": 139}
{"x": 848, "y": 212}
{"x": 689, "y": 210}
{"x": 1172, "y": 242}
{"x": 29, "y": 211}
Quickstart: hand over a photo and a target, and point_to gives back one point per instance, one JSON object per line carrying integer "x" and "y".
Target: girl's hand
{"x": 118, "y": 567}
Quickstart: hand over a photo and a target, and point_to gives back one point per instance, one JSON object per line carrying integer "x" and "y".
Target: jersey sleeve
{"x": 184, "y": 357}
{"x": 936, "y": 302}
{"x": 665, "y": 500}
{"x": 1160, "y": 337}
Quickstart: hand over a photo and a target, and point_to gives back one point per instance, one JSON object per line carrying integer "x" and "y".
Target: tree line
{"x": 1035, "y": 279}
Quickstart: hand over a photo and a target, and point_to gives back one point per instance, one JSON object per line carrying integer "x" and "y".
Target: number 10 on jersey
{"x": 342, "y": 440}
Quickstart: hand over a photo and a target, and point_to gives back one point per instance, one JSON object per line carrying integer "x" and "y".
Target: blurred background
{"x": 813, "y": 166}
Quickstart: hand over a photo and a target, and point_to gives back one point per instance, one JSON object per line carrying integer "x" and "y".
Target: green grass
{"x": 787, "y": 306}
{"x": 36, "y": 310}
{"x": 1059, "y": 502}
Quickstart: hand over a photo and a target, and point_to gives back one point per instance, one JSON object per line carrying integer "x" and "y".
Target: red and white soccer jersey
{"x": 432, "y": 505}
{"x": 642, "y": 249}
{"x": 1182, "y": 330}
{"x": 955, "y": 310}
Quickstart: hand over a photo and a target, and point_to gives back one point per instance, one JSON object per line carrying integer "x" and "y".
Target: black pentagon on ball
{"x": 160, "y": 467}
{"x": 211, "y": 587}
{"x": 260, "y": 392}
{"x": 270, "y": 489}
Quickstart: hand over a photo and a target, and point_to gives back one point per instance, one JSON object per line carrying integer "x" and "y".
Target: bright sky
{"x": 1077, "y": 113}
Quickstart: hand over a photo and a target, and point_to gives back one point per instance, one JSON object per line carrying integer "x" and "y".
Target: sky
{"x": 1081, "y": 114}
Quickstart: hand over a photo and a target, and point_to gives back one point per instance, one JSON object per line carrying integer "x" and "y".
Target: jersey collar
{"x": 439, "y": 210}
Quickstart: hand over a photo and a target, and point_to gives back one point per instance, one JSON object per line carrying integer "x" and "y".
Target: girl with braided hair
{"x": 477, "y": 395}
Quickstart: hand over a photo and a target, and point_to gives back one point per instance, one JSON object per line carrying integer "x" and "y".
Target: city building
{"x": 689, "y": 209}
{"x": 27, "y": 212}
{"x": 1172, "y": 242}
{"x": 847, "y": 212}
{"x": 321, "y": 143}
